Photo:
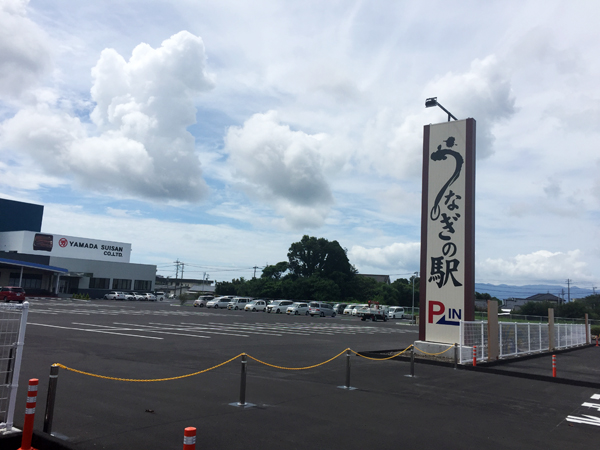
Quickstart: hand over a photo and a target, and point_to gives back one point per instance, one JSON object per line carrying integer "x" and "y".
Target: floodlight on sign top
{"x": 432, "y": 101}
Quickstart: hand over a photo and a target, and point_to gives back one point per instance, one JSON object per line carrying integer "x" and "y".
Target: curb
{"x": 40, "y": 441}
{"x": 488, "y": 367}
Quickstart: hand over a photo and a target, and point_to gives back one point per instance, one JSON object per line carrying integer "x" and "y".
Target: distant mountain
{"x": 504, "y": 291}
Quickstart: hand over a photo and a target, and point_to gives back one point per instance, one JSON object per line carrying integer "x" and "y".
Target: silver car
{"x": 219, "y": 302}
{"x": 298, "y": 308}
{"x": 279, "y": 306}
{"x": 321, "y": 309}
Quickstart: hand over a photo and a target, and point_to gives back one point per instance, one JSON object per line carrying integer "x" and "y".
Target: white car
{"x": 203, "y": 300}
{"x": 279, "y": 306}
{"x": 256, "y": 305}
{"x": 348, "y": 310}
{"x": 160, "y": 296}
{"x": 238, "y": 303}
{"x": 115, "y": 295}
{"x": 219, "y": 302}
{"x": 396, "y": 312}
{"x": 150, "y": 296}
{"x": 141, "y": 297}
{"x": 298, "y": 308}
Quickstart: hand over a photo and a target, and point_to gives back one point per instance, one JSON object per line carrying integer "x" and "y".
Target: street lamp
{"x": 413, "y": 299}
{"x": 433, "y": 102}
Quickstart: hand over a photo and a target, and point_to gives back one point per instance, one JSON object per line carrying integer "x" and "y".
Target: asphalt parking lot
{"x": 293, "y": 409}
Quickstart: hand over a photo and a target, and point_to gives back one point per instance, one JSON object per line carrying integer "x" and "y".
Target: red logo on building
{"x": 63, "y": 242}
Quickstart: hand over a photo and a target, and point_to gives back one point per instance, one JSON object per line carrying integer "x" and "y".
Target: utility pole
{"x": 176, "y": 276}
{"x": 181, "y": 289}
{"x": 569, "y": 289}
{"x": 594, "y": 289}
{"x": 255, "y": 267}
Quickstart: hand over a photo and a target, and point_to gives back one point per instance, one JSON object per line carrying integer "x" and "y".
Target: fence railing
{"x": 13, "y": 319}
{"x": 517, "y": 338}
{"x": 482, "y": 315}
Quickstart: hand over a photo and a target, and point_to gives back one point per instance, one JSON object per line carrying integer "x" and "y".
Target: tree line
{"x": 573, "y": 310}
{"x": 319, "y": 269}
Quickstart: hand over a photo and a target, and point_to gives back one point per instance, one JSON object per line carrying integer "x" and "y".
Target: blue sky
{"x": 219, "y": 132}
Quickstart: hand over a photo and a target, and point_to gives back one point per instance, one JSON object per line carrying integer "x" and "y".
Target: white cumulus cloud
{"x": 281, "y": 167}
{"x": 542, "y": 265}
{"x": 24, "y": 49}
{"x": 137, "y": 143}
{"x": 392, "y": 257}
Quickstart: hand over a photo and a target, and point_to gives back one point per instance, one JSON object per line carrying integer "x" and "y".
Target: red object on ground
{"x": 189, "y": 438}
{"x": 29, "y": 415}
{"x": 554, "y": 366}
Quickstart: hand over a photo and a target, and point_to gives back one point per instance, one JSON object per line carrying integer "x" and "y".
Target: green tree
{"x": 275, "y": 272}
{"x": 319, "y": 256}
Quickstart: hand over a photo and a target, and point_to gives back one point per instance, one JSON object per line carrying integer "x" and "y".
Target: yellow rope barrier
{"x": 382, "y": 359}
{"x": 149, "y": 380}
{"x": 297, "y": 368}
{"x": 434, "y": 354}
{"x": 251, "y": 357}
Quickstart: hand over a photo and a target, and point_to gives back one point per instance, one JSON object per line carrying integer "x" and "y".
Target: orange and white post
{"x": 554, "y": 366}
{"x": 29, "y": 415}
{"x": 474, "y": 355}
{"x": 189, "y": 438}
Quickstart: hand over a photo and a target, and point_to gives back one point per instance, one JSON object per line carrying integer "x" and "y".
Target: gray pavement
{"x": 294, "y": 409}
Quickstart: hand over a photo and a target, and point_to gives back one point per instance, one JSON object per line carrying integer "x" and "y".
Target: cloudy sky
{"x": 218, "y": 132}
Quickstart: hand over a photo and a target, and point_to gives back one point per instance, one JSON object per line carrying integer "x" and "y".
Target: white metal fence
{"x": 569, "y": 335}
{"x": 517, "y": 339}
{"x": 13, "y": 319}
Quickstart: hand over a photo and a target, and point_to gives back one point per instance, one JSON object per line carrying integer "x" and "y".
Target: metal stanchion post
{"x": 347, "y": 369}
{"x": 49, "y": 415}
{"x": 455, "y": 356}
{"x": 242, "y": 401}
{"x": 412, "y": 361}
{"x": 347, "y": 386}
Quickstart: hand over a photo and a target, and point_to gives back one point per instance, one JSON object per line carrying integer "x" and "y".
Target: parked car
{"x": 321, "y": 309}
{"x": 339, "y": 308}
{"x": 130, "y": 295}
{"x": 298, "y": 308}
{"x": 150, "y": 296}
{"x": 141, "y": 297}
{"x": 160, "y": 296}
{"x": 396, "y": 312}
{"x": 115, "y": 295}
{"x": 238, "y": 303}
{"x": 12, "y": 294}
{"x": 203, "y": 300}
{"x": 256, "y": 305}
{"x": 279, "y": 306}
{"x": 219, "y": 302}
{"x": 348, "y": 309}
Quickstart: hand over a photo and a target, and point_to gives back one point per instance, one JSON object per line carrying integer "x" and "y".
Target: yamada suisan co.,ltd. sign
{"x": 75, "y": 247}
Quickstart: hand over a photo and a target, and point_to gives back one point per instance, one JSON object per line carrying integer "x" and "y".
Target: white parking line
{"x": 93, "y": 331}
{"x": 586, "y": 419}
{"x": 142, "y": 328}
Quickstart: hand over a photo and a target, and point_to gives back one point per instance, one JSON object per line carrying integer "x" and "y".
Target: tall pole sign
{"x": 447, "y": 287}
